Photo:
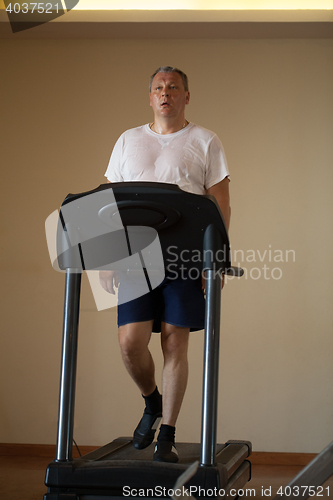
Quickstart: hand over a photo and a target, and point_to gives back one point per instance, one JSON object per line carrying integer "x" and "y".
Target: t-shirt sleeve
{"x": 113, "y": 172}
{"x": 216, "y": 164}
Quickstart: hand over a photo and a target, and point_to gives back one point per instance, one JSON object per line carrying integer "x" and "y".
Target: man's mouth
{"x": 165, "y": 104}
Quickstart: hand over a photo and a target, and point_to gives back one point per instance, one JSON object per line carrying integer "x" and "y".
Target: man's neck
{"x": 168, "y": 127}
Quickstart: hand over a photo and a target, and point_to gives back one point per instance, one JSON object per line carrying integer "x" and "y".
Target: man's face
{"x": 168, "y": 96}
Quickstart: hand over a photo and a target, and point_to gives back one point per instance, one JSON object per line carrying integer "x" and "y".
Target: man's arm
{"x": 221, "y": 192}
{"x": 109, "y": 279}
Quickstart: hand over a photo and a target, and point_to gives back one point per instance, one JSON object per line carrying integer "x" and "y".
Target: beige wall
{"x": 63, "y": 105}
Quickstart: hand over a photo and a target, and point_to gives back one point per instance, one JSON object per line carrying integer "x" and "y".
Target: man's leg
{"x": 174, "y": 342}
{"x": 134, "y": 339}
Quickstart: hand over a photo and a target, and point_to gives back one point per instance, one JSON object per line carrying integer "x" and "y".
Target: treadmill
{"x": 131, "y": 227}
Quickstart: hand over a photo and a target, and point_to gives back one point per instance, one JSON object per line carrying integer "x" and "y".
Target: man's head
{"x": 169, "y": 96}
{"x": 169, "y": 69}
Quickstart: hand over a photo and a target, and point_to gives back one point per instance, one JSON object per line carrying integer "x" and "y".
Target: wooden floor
{"x": 22, "y": 478}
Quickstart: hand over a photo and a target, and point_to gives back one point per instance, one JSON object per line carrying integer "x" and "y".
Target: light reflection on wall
{"x": 201, "y": 5}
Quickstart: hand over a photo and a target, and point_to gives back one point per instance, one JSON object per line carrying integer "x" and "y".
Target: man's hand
{"x": 203, "y": 281}
{"x": 109, "y": 281}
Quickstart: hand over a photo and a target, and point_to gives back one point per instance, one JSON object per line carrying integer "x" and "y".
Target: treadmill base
{"x": 118, "y": 471}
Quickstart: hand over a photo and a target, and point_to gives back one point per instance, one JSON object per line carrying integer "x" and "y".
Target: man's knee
{"x": 128, "y": 344}
{"x": 174, "y": 339}
{"x": 133, "y": 338}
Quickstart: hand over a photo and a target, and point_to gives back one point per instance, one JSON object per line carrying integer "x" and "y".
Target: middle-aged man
{"x": 172, "y": 150}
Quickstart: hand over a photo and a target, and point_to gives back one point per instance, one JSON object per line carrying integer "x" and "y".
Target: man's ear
{"x": 187, "y": 97}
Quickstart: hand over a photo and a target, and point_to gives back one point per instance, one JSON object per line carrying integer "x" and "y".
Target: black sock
{"x": 153, "y": 402}
{"x": 167, "y": 433}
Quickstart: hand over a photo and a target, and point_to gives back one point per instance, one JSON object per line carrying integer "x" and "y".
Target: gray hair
{"x": 169, "y": 69}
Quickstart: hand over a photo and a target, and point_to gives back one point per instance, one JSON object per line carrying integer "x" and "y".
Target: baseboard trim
{"x": 38, "y": 450}
{"x": 280, "y": 458}
{"x": 49, "y": 451}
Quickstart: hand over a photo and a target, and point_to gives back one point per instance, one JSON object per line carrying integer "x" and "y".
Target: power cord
{"x": 76, "y": 446}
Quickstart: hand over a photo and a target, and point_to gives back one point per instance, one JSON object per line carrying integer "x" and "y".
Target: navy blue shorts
{"x": 179, "y": 302}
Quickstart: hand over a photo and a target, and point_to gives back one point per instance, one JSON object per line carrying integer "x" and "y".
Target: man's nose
{"x": 165, "y": 92}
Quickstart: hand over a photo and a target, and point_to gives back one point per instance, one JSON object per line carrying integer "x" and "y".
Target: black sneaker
{"x": 144, "y": 433}
{"x": 165, "y": 451}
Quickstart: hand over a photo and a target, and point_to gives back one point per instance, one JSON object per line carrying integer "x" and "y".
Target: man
{"x": 170, "y": 149}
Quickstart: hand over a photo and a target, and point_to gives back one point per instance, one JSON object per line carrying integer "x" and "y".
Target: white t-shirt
{"x": 193, "y": 158}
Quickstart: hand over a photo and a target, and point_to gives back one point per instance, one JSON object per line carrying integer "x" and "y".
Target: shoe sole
{"x": 170, "y": 457}
{"x": 142, "y": 441}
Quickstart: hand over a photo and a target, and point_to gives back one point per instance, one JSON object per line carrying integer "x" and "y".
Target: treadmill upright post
{"x": 68, "y": 365}
{"x": 212, "y": 243}
{"x": 211, "y": 369}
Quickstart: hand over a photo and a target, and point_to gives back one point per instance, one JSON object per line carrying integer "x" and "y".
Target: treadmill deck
{"x": 118, "y": 468}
